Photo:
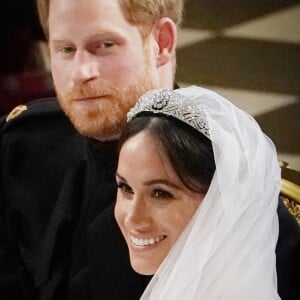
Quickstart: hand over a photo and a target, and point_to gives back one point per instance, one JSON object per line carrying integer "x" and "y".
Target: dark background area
{"x": 22, "y": 77}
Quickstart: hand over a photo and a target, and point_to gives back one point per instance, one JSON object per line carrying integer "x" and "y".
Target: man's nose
{"x": 85, "y": 67}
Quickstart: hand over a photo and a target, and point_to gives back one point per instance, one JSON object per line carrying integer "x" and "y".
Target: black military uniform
{"x": 58, "y": 236}
{"x": 54, "y": 185}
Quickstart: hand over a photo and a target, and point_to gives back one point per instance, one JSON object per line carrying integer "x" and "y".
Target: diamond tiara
{"x": 170, "y": 103}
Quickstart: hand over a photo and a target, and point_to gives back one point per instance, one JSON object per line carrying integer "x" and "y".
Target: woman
{"x": 198, "y": 186}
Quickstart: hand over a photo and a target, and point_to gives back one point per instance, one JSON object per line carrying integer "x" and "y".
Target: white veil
{"x": 228, "y": 249}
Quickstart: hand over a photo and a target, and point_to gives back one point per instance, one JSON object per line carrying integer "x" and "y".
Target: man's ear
{"x": 166, "y": 38}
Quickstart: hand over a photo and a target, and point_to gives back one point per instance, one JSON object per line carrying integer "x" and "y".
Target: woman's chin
{"x": 143, "y": 269}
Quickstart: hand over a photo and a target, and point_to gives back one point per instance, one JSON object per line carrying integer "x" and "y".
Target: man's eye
{"x": 124, "y": 188}
{"x": 104, "y": 45}
{"x": 158, "y": 193}
{"x": 67, "y": 49}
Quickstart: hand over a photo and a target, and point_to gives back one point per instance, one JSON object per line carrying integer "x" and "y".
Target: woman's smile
{"x": 153, "y": 205}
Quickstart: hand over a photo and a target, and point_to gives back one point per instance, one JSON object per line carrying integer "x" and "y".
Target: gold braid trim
{"x": 291, "y": 197}
{"x": 293, "y": 207}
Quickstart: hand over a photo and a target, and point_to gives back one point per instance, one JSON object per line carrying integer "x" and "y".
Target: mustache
{"x": 89, "y": 89}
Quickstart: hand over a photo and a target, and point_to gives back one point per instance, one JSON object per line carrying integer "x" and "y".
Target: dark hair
{"x": 189, "y": 151}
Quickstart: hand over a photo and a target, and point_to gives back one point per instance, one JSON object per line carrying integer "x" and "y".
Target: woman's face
{"x": 153, "y": 205}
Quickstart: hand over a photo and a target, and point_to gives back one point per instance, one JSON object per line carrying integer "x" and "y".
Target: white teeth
{"x": 146, "y": 242}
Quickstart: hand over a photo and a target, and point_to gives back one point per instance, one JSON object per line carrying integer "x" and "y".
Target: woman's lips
{"x": 146, "y": 242}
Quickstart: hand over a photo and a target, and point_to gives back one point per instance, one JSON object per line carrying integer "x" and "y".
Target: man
{"x": 58, "y": 237}
{"x": 58, "y": 187}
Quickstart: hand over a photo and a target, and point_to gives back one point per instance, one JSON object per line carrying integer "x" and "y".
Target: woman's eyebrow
{"x": 161, "y": 181}
{"x": 120, "y": 177}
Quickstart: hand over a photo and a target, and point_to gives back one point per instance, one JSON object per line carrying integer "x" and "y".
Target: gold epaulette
{"x": 16, "y": 112}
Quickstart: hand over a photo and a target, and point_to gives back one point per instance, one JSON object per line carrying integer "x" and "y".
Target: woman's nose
{"x": 138, "y": 217}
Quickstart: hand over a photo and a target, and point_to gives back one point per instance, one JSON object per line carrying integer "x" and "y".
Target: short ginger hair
{"x": 142, "y": 13}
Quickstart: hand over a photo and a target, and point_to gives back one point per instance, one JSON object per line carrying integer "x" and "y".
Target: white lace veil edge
{"x": 228, "y": 249}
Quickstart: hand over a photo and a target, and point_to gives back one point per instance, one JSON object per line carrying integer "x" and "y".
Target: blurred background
{"x": 248, "y": 51}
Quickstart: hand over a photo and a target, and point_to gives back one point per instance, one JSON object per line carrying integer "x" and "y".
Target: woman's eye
{"x": 158, "y": 193}
{"x": 124, "y": 188}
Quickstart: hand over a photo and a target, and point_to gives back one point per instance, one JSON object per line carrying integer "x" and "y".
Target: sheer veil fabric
{"x": 228, "y": 249}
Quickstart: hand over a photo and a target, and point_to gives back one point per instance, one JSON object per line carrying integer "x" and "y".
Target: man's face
{"x": 100, "y": 64}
